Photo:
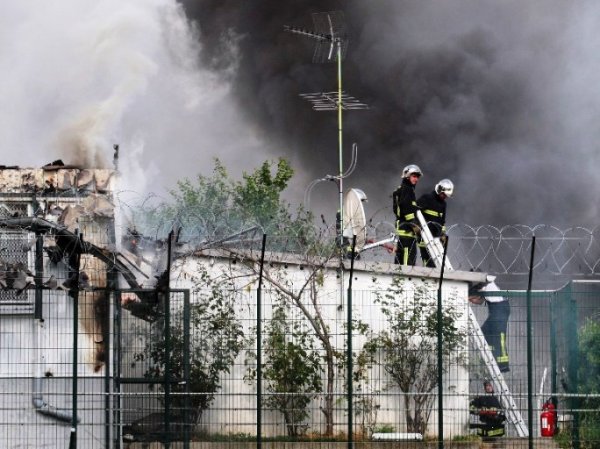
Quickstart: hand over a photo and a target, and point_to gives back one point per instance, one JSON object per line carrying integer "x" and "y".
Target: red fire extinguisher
{"x": 548, "y": 419}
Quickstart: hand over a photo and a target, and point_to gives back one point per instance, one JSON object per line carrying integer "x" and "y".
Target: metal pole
{"x": 349, "y": 383}
{"x": 111, "y": 298}
{"x": 167, "y": 325}
{"x": 75, "y": 294}
{"x": 340, "y": 144}
{"x": 108, "y": 359}
{"x": 117, "y": 358}
{"x": 440, "y": 360}
{"x": 39, "y": 275}
{"x": 259, "y": 374}
{"x": 341, "y": 168}
{"x": 553, "y": 355}
{"x": 186, "y": 369}
{"x": 530, "y": 348}
{"x": 112, "y": 295}
{"x": 570, "y": 318}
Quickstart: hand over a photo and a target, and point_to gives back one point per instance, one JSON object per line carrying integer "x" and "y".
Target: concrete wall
{"x": 233, "y": 410}
{"x": 43, "y": 350}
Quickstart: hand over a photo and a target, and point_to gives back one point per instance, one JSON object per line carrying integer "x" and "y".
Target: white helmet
{"x": 444, "y": 186}
{"x": 411, "y": 169}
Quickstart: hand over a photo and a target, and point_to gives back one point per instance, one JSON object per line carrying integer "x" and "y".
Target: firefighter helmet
{"x": 411, "y": 169}
{"x": 444, "y": 186}
{"x": 488, "y": 383}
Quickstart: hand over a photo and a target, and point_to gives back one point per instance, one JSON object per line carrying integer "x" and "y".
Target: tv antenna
{"x": 332, "y": 45}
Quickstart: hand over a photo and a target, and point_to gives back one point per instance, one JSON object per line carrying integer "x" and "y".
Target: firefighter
{"x": 495, "y": 326}
{"x": 433, "y": 207}
{"x": 488, "y": 409}
{"x": 488, "y": 400}
{"x": 405, "y": 207}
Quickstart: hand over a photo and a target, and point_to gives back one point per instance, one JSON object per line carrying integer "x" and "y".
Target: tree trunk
{"x": 289, "y": 423}
{"x": 410, "y": 424}
{"x": 328, "y": 410}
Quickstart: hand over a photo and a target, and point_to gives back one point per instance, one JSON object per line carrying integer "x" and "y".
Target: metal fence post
{"x": 39, "y": 274}
{"x": 553, "y": 355}
{"x": 75, "y": 294}
{"x": 167, "y": 325}
{"x": 259, "y": 346}
{"x": 111, "y": 298}
{"x": 186, "y": 369}
{"x": 440, "y": 360}
{"x": 349, "y": 383}
{"x": 117, "y": 358}
{"x": 530, "y": 348}
{"x": 573, "y": 360}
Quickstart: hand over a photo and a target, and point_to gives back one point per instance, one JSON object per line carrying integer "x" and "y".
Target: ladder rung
{"x": 436, "y": 251}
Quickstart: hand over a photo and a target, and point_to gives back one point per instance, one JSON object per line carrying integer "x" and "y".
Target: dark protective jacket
{"x": 434, "y": 212}
{"x": 405, "y": 207}
{"x": 488, "y": 408}
{"x": 486, "y": 401}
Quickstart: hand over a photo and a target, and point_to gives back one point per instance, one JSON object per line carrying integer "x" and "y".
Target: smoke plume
{"x": 497, "y": 96}
{"x": 79, "y": 76}
{"x": 500, "y": 97}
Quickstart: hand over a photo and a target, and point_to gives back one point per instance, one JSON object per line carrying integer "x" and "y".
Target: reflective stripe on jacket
{"x": 405, "y": 208}
{"x": 434, "y": 212}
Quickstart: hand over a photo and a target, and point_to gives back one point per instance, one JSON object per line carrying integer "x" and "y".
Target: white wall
{"x": 233, "y": 410}
{"x": 24, "y": 356}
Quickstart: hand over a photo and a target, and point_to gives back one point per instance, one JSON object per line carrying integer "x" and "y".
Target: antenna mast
{"x": 332, "y": 44}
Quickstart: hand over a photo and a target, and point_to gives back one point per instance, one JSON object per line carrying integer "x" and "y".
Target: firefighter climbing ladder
{"x": 436, "y": 251}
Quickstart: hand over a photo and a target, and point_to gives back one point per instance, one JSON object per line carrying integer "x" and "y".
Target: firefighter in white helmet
{"x": 433, "y": 207}
{"x": 405, "y": 208}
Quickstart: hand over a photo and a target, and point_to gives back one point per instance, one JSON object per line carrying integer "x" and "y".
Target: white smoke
{"x": 79, "y": 76}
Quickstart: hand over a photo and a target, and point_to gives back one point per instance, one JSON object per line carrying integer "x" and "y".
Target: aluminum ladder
{"x": 513, "y": 416}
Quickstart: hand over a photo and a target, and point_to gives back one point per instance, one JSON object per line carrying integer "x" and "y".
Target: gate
{"x": 151, "y": 363}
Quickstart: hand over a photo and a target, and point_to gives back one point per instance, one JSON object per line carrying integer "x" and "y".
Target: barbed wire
{"x": 505, "y": 250}
{"x": 499, "y": 250}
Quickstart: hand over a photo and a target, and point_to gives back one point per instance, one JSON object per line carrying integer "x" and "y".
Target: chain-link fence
{"x": 165, "y": 381}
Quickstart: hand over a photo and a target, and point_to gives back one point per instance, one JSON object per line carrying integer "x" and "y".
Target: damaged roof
{"x": 55, "y": 177}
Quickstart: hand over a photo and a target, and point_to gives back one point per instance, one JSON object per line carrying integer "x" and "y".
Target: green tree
{"x": 292, "y": 370}
{"x": 306, "y": 298}
{"x": 258, "y": 195}
{"x": 256, "y": 200}
{"x": 365, "y": 397}
{"x": 589, "y": 382}
{"x": 215, "y": 339}
{"x": 213, "y": 208}
{"x": 408, "y": 345}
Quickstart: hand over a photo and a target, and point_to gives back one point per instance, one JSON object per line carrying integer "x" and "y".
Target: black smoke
{"x": 470, "y": 90}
